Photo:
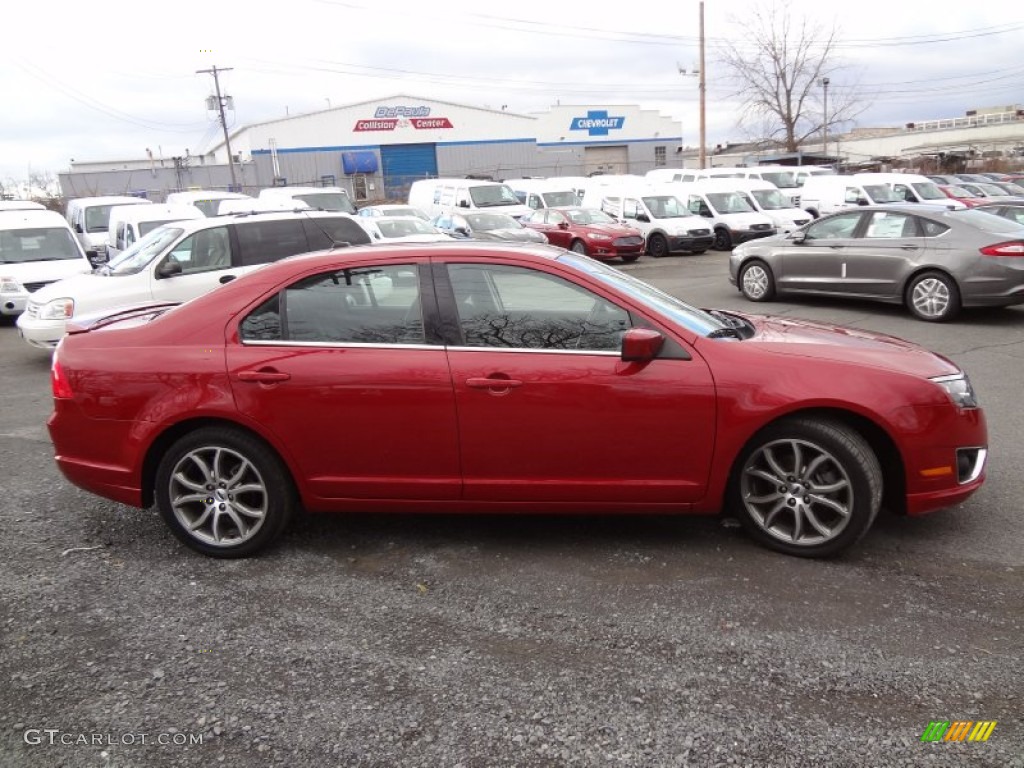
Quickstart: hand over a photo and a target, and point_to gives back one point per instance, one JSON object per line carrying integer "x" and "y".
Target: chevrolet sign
{"x": 596, "y": 123}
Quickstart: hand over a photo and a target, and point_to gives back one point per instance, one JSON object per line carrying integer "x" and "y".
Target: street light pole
{"x": 703, "y": 128}
{"x": 824, "y": 124}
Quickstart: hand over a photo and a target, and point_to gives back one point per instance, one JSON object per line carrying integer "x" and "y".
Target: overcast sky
{"x": 109, "y": 79}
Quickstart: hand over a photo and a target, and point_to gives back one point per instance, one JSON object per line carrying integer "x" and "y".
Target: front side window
{"x": 492, "y": 194}
{"x": 834, "y": 227}
{"x": 729, "y": 202}
{"x": 261, "y": 242}
{"x": 770, "y": 199}
{"x": 97, "y": 218}
{"x": 206, "y": 250}
{"x": 881, "y": 193}
{"x": 559, "y": 199}
{"x": 555, "y": 217}
{"x": 132, "y": 260}
{"x": 361, "y": 305}
{"x": 519, "y": 308}
{"x": 534, "y": 202}
{"x": 665, "y": 207}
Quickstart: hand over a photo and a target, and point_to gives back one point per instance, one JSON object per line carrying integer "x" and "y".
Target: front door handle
{"x": 836, "y": 247}
{"x": 264, "y": 376}
{"x": 910, "y": 247}
{"x": 493, "y": 383}
{"x": 226, "y": 279}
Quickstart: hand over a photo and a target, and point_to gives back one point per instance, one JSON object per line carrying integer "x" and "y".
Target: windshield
{"x": 881, "y": 193}
{"x": 410, "y": 211}
{"x": 956, "y": 191}
{"x": 693, "y": 319}
{"x": 928, "y": 190}
{"x": 489, "y": 195}
{"x": 781, "y": 179}
{"x": 770, "y": 199}
{"x": 488, "y": 221}
{"x": 18, "y": 246}
{"x": 559, "y": 199}
{"x": 328, "y": 201}
{"x": 145, "y": 227}
{"x": 992, "y": 190}
{"x": 1012, "y": 188}
{"x": 728, "y": 202}
{"x": 589, "y": 216}
{"x": 391, "y": 227}
{"x": 97, "y": 217}
{"x": 988, "y": 222}
{"x": 139, "y": 255}
{"x": 666, "y": 207}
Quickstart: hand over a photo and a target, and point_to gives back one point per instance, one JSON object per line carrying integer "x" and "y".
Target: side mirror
{"x": 78, "y": 229}
{"x": 463, "y": 203}
{"x": 563, "y": 225}
{"x": 462, "y": 231}
{"x": 799, "y": 237}
{"x": 94, "y": 257}
{"x": 862, "y": 201}
{"x": 169, "y": 269}
{"x": 641, "y": 345}
{"x": 643, "y": 217}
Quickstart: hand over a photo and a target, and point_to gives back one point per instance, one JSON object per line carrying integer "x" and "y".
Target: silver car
{"x": 930, "y": 259}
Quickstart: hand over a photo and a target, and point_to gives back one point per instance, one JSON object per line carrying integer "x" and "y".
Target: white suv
{"x": 183, "y": 260}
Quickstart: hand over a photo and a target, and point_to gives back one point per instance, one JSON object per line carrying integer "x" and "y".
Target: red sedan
{"x": 956, "y": 192}
{"x": 467, "y": 377}
{"x": 588, "y": 231}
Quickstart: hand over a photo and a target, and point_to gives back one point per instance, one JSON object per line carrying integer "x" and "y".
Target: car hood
{"x": 517, "y": 235}
{"x": 612, "y": 230}
{"x": 824, "y": 341}
{"x": 44, "y": 271}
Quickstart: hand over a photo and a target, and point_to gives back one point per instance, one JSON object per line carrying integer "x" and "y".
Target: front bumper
{"x": 690, "y": 242}
{"x": 40, "y": 333}
{"x": 619, "y": 246}
{"x": 746, "y": 235}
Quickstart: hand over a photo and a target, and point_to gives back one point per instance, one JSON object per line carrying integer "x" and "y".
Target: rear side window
{"x": 260, "y": 242}
{"x": 327, "y": 232}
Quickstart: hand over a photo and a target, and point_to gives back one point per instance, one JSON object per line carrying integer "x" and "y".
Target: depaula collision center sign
{"x": 597, "y": 122}
{"x": 390, "y": 118}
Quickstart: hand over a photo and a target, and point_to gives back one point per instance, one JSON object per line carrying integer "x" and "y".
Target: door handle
{"x": 263, "y": 376}
{"x": 836, "y": 247}
{"x": 493, "y": 383}
{"x": 910, "y": 247}
{"x": 226, "y": 279}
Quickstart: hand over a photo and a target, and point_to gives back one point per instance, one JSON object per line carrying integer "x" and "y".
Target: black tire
{"x": 630, "y": 258}
{"x": 846, "y": 473}
{"x": 657, "y": 246}
{"x": 229, "y": 454}
{"x": 754, "y": 275}
{"x": 932, "y": 296}
{"x": 723, "y": 240}
{"x": 578, "y": 246}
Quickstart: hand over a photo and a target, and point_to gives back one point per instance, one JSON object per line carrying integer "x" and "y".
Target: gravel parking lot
{"x": 499, "y": 641}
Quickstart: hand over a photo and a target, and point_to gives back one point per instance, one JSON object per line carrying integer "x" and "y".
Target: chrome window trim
{"x": 601, "y": 353}
{"x": 336, "y": 344}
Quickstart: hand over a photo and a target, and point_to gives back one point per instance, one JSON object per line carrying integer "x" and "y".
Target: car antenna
{"x": 334, "y": 243}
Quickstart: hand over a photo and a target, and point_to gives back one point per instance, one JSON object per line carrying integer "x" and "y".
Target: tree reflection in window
{"x": 519, "y": 308}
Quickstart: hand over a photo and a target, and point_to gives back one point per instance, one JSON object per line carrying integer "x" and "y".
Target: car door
{"x": 549, "y": 412}
{"x": 816, "y": 260}
{"x": 888, "y": 246}
{"x": 556, "y": 228}
{"x": 339, "y": 366}
{"x": 193, "y": 267}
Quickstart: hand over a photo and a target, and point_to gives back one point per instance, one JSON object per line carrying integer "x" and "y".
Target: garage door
{"x": 405, "y": 163}
{"x": 606, "y": 159}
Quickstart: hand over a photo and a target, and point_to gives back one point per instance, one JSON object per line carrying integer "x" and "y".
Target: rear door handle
{"x": 836, "y": 247}
{"x": 263, "y": 376}
{"x": 226, "y": 279}
{"x": 910, "y": 247}
{"x": 493, "y": 383}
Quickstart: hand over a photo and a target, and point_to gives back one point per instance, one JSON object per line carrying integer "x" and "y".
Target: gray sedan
{"x": 930, "y": 259}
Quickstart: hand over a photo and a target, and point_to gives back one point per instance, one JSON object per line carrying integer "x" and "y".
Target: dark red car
{"x": 588, "y": 231}
{"x": 467, "y": 377}
{"x": 956, "y": 192}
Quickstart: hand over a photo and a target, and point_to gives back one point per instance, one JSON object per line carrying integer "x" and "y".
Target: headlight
{"x": 58, "y": 309}
{"x": 10, "y": 285}
{"x": 597, "y": 236}
{"x": 959, "y": 389}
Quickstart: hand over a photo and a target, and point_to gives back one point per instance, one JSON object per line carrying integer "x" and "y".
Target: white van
{"x": 764, "y": 197}
{"x": 438, "y": 196}
{"x": 130, "y": 223}
{"x": 804, "y": 172}
{"x": 542, "y": 193}
{"x": 89, "y": 217}
{"x": 912, "y": 188}
{"x": 206, "y": 200}
{"x": 317, "y": 198}
{"x": 36, "y": 248}
{"x": 667, "y": 225}
{"x": 21, "y": 205}
{"x": 822, "y": 195}
{"x": 733, "y": 219}
{"x": 180, "y": 261}
{"x": 577, "y": 184}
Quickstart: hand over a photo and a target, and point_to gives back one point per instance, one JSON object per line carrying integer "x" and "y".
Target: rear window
{"x": 328, "y": 201}
{"x": 328, "y": 231}
{"x": 987, "y": 222}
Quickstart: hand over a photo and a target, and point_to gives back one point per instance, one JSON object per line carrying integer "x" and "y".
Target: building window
{"x": 359, "y": 189}
{"x": 660, "y": 157}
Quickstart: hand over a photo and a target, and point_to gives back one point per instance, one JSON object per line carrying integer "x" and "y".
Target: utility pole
{"x": 223, "y": 122}
{"x": 824, "y": 123}
{"x": 703, "y": 84}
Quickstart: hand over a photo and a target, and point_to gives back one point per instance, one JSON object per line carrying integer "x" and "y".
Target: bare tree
{"x": 778, "y": 68}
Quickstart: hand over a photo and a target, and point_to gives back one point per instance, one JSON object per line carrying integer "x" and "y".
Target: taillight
{"x": 1012, "y": 248}
{"x": 59, "y": 381}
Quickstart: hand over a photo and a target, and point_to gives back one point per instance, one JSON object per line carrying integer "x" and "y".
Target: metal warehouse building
{"x": 376, "y": 149}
